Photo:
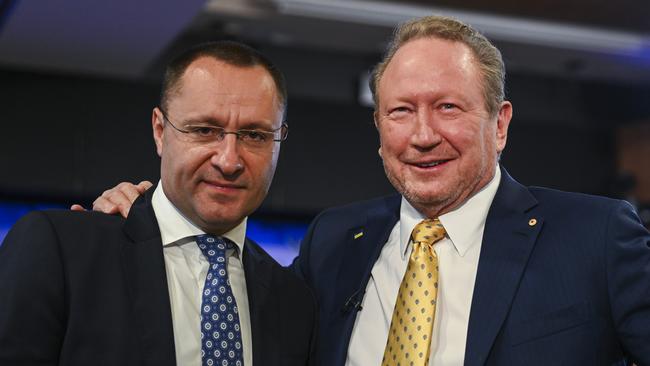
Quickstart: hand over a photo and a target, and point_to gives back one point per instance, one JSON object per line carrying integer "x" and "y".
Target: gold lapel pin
{"x": 358, "y": 235}
{"x": 532, "y": 222}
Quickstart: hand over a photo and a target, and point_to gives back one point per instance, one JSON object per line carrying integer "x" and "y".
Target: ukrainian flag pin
{"x": 358, "y": 235}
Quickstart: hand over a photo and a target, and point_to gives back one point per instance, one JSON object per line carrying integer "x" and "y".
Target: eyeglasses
{"x": 252, "y": 139}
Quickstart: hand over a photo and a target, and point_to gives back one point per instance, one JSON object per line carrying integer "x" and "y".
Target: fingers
{"x": 77, "y": 207}
{"x": 103, "y": 204}
{"x": 143, "y": 186}
{"x": 132, "y": 192}
{"x": 120, "y": 198}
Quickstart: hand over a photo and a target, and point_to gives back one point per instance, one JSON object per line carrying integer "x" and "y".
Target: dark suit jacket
{"x": 573, "y": 288}
{"x": 84, "y": 288}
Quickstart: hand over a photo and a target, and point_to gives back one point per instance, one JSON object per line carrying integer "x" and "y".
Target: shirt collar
{"x": 175, "y": 227}
{"x": 464, "y": 225}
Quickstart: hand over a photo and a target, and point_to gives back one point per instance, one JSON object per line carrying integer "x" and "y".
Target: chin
{"x": 421, "y": 192}
{"x": 436, "y": 199}
{"x": 218, "y": 215}
{"x": 424, "y": 198}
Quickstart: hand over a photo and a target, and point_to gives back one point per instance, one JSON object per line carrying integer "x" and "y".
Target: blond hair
{"x": 487, "y": 56}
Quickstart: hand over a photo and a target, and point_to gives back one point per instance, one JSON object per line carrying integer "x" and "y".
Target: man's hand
{"x": 118, "y": 199}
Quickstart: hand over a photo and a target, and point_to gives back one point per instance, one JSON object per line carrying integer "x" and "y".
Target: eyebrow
{"x": 257, "y": 125}
{"x": 203, "y": 120}
{"x": 252, "y": 125}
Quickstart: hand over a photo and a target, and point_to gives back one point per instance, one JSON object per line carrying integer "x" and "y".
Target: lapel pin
{"x": 358, "y": 235}
{"x": 532, "y": 222}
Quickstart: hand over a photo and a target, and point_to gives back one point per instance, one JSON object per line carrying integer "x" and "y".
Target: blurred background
{"x": 79, "y": 78}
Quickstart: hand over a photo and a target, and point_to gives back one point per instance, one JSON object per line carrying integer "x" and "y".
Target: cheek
{"x": 168, "y": 159}
{"x": 394, "y": 140}
{"x": 466, "y": 138}
{"x": 261, "y": 168}
{"x": 182, "y": 163}
{"x": 489, "y": 138}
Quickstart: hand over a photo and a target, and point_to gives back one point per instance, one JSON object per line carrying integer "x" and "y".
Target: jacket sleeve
{"x": 628, "y": 276}
{"x": 313, "y": 349}
{"x": 31, "y": 294}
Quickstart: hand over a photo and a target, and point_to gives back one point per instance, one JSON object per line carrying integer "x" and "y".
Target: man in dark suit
{"x": 520, "y": 276}
{"x": 562, "y": 280}
{"x": 176, "y": 282}
{"x": 465, "y": 265}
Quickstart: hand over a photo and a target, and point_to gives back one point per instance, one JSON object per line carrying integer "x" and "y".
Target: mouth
{"x": 430, "y": 164}
{"x": 224, "y": 186}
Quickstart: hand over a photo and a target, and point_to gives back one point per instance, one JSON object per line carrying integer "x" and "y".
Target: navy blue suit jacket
{"x": 571, "y": 289}
{"x": 84, "y": 288}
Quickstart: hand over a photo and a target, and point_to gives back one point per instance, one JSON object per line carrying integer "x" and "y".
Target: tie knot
{"x": 428, "y": 232}
{"x": 213, "y": 248}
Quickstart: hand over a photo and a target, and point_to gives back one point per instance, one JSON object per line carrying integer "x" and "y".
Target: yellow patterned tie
{"x": 409, "y": 337}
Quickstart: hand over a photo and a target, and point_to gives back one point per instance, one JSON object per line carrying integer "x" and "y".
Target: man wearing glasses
{"x": 177, "y": 282}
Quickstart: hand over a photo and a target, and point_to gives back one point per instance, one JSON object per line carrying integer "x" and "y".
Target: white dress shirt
{"x": 458, "y": 255}
{"x": 187, "y": 269}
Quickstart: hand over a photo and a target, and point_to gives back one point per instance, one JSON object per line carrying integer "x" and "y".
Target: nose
{"x": 226, "y": 157}
{"x": 425, "y": 135}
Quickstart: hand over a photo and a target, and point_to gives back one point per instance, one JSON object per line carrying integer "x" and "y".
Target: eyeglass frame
{"x": 238, "y": 133}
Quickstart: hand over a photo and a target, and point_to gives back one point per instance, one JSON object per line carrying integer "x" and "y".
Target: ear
{"x": 375, "y": 116}
{"x": 503, "y": 122}
{"x": 157, "y": 125}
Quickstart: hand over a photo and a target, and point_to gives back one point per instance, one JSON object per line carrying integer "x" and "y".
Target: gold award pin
{"x": 358, "y": 235}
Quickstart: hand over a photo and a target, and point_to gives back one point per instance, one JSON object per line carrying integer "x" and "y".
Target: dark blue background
{"x": 280, "y": 237}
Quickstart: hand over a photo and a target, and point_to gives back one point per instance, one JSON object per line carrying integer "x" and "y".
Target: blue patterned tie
{"x": 221, "y": 343}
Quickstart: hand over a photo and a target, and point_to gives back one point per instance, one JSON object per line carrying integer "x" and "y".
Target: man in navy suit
{"x": 522, "y": 276}
{"x": 177, "y": 282}
{"x": 527, "y": 276}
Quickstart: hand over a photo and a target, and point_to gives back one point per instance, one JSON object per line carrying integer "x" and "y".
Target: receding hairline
{"x": 231, "y": 53}
{"x": 430, "y": 37}
{"x": 486, "y": 56}
{"x": 452, "y": 42}
{"x": 174, "y": 88}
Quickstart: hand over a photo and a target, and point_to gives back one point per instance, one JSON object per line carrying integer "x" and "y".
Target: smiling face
{"x": 217, "y": 184}
{"x": 439, "y": 144}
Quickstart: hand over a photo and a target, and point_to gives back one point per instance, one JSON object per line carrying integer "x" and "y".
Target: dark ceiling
{"x": 577, "y": 39}
{"x": 630, "y": 15}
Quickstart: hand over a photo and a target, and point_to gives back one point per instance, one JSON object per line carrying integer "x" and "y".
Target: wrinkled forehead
{"x": 431, "y": 62}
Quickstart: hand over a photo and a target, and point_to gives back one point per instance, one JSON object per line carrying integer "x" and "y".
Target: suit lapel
{"x": 144, "y": 268}
{"x": 258, "y": 273}
{"x": 359, "y": 254}
{"x": 362, "y": 248}
{"x": 508, "y": 240}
